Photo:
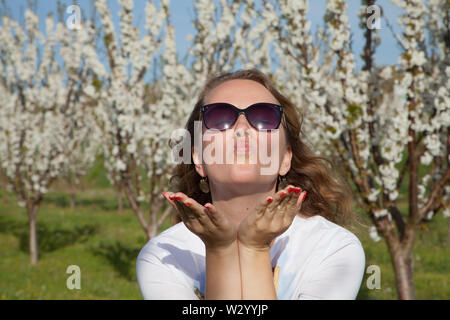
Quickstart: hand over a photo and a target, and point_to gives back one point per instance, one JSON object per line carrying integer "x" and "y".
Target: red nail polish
{"x": 269, "y": 200}
{"x": 304, "y": 196}
{"x": 290, "y": 189}
{"x": 172, "y": 197}
{"x": 297, "y": 190}
{"x": 207, "y": 207}
{"x": 282, "y": 194}
{"x": 188, "y": 204}
{"x": 178, "y": 198}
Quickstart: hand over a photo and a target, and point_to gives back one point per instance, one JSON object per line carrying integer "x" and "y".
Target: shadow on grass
{"x": 49, "y": 239}
{"x": 121, "y": 256}
{"x": 62, "y": 200}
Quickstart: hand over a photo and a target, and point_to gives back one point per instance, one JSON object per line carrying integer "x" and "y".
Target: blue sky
{"x": 182, "y": 14}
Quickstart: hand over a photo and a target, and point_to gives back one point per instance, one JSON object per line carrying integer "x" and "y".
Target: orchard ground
{"x": 104, "y": 244}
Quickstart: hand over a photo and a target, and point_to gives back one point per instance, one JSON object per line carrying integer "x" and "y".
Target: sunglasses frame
{"x": 238, "y": 112}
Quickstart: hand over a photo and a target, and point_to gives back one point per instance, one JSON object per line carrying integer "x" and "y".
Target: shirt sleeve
{"x": 338, "y": 276}
{"x": 158, "y": 282}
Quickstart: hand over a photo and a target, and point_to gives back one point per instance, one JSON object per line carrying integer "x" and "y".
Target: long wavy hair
{"x": 328, "y": 194}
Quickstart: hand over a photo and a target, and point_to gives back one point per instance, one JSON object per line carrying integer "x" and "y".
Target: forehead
{"x": 240, "y": 92}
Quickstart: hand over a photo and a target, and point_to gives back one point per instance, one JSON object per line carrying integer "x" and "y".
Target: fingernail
{"x": 188, "y": 204}
{"x": 208, "y": 207}
{"x": 290, "y": 189}
{"x": 269, "y": 199}
{"x": 297, "y": 190}
{"x": 304, "y": 196}
{"x": 178, "y": 197}
{"x": 172, "y": 197}
{"x": 282, "y": 194}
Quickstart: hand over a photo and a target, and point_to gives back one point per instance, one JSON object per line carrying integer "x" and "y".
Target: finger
{"x": 216, "y": 217}
{"x": 188, "y": 221}
{"x": 170, "y": 196}
{"x": 194, "y": 211}
{"x": 292, "y": 209}
{"x": 291, "y": 201}
{"x": 284, "y": 215}
{"x": 191, "y": 221}
{"x": 262, "y": 206}
{"x": 186, "y": 204}
{"x": 300, "y": 200}
{"x": 200, "y": 212}
{"x": 276, "y": 205}
{"x": 186, "y": 215}
{"x": 167, "y": 195}
{"x": 292, "y": 194}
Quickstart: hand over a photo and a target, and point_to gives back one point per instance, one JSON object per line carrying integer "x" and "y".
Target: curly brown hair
{"x": 328, "y": 194}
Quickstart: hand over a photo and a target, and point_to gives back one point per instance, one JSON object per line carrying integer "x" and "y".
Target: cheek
{"x": 214, "y": 144}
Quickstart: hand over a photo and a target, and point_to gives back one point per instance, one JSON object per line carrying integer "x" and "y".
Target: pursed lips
{"x": 241, "y": 146}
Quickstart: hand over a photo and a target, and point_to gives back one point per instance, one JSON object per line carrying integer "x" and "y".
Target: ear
{"x": 286, "y": 161}
{"x": 197, "y": 163}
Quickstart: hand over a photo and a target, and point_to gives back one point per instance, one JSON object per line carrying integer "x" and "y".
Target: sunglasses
{"x": 261, "y": 115}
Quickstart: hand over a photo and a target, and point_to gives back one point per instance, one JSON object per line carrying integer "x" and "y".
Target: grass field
{"x": 105, "y": 243}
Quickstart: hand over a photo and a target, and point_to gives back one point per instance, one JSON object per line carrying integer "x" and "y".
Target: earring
{"x": 282, "y": 182}
{"x": 203, "y": 184}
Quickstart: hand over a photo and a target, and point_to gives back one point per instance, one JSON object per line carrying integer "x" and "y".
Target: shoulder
{"x": 323, "y": 228}
{"x": 171, "y": 244}
{"x": 325, "y": 237}
{"x": 167, "y": 267}
{"x": 334, "y": 260}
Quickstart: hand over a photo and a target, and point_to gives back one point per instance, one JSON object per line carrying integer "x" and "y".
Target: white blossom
{"x": 374, "y": 234}
{"x": 381, "y": 213}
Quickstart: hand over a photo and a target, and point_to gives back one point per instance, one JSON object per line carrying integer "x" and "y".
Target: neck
{"x": 236, "y": 206}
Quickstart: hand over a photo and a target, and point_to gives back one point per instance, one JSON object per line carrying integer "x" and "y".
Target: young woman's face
{"x": 249, "y": 159}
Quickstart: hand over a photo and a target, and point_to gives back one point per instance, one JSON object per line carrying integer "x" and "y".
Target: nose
{"x": 242, "y": 126}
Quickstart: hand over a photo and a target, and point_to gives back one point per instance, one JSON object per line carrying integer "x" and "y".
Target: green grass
{"x": 105, "y": 244}
{"x": 431, "y": 264}
{"x": 102, "y": 242}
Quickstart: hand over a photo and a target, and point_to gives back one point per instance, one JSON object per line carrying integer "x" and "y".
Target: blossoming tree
{"x": 371, "y": 132}
{"x": 137, "y": 128}
{"x": 133, "y": 127}
{"x": 41, "y": 103}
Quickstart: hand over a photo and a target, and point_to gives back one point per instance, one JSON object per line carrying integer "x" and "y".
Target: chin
{"x": 239, "y": 174}
{"x": 244, "y": 173}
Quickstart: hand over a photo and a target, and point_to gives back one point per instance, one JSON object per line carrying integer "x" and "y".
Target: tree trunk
{"x": 119, "y": 199}
{"x": 403, "y": 268}
{"x": 152, "y": 231}
{"x": 71, "y": 185}
{"x": 33, "y": 239}
{"x": 72, "y": 199}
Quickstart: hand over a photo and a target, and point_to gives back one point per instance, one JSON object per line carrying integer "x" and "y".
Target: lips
{"x": 241, "y": 146}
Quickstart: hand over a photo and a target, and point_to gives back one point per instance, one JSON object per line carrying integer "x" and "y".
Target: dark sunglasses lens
{"x": 219, "y": 116}
{"x": 264, "y": 116}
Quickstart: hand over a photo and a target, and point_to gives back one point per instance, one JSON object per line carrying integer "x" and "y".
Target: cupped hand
{"x": 270, "y": 219}
{"x": 211, "y": 226}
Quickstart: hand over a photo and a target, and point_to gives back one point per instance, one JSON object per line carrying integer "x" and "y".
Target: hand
{"x": 215, "y": 230}
{"x": 270, "y": 219}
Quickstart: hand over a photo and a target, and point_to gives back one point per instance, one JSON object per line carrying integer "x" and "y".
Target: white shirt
{"x": 317, "y": 259}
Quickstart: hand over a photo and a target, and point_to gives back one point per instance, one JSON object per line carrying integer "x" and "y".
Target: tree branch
{"x": 434, "y": 194}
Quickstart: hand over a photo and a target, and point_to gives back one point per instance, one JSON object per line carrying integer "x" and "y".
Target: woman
{"x": 248, "y": 235}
